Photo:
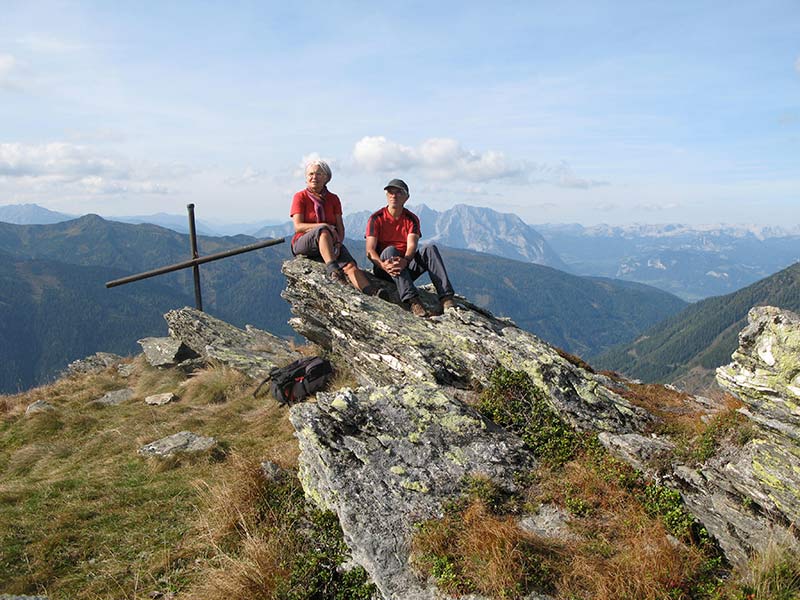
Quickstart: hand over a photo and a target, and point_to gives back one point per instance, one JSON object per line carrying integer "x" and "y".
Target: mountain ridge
{"x": 703, "y": 335}
{"x": 246, "y": 289}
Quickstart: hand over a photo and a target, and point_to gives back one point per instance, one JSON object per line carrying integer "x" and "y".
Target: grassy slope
{"x": 704, "y": 334}
{"x": 83, "y": 516}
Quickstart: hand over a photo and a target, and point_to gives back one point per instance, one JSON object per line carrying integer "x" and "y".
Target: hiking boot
{"x": 337, "y": 276}
{"x": 447, "y": 302}
{"x": 377, "y": 292}
{"x": 417, "y": 308}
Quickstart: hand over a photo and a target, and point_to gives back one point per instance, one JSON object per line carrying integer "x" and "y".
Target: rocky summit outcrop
{"x": 744, "y": 495}
{"x": 765, "y": 372}
{"x": 250, "y": 350}
{"x": 394, "y": 451}
{"x": 386, "y": 458}
{"x": 384, "y": 345}
{"x": 759, "y": 483}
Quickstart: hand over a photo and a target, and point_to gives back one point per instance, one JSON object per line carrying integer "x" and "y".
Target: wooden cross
{"x": 195, "y": 261}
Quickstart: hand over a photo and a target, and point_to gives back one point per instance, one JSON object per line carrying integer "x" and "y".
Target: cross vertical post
{"x": 198, "y": 297}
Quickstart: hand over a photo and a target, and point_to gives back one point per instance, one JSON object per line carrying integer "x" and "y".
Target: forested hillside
{"x": 703, "y": 335}
{"x": 54, "y": 307}
{"x": 583, "y": 315}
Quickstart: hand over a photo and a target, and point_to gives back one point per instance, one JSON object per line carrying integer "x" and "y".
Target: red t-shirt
{"x": 390, "y": 231}
{"x": 304, "y": 205}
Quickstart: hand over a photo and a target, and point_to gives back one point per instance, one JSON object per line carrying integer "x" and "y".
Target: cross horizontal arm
{"x": 195, "y": 261}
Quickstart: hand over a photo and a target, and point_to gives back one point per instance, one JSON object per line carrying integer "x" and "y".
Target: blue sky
{"x": 589, "y": 112}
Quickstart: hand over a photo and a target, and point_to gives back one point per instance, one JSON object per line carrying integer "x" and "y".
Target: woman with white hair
{"x": 319, "y": 229}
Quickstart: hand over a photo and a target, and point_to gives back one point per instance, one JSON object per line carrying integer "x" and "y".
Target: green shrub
{"x": 514, "y": 402}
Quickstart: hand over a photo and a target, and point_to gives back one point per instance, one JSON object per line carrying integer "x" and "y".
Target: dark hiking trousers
{"x": 427, "y": 259}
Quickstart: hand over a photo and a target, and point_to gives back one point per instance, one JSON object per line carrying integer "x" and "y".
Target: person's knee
{"x": 324, "y": 232}
{"x": 389, "y": 252}
{"x": 350, "y": 268}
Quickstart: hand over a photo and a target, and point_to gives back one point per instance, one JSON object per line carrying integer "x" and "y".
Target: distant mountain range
{"x": 33, "y": 214}
{"x": 693, "y": 342}
{"x": 691, "y": 262}
{"x": 463, "y": 226}
{"x": 54, "y": 307}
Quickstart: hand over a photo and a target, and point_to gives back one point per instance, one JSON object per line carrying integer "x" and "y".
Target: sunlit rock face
{"x": 386, "y": 458}
{"x": 765, "y": 372}
{"x": 386, "y": 345}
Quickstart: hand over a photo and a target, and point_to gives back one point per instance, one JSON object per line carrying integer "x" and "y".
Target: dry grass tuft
{"x": 474, "y": 550}
{"x": 574, "y": 359}
{"x": 254, "y": 573}
{"x": 305, "y": 349}
{"x": 678, "y": 410}
{"x": 151, "y": 380}
{"x": 233, "y": 504}
{"x": 268, "y": 544}
{"x": 215, "y": 385}
{"x": 241, "y": 518}
{"x": 626, "y": 551}
{"x": 773, "y": 574}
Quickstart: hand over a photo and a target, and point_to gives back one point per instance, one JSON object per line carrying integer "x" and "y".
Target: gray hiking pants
{"x": 308, "y": 245}
{"x": 427, "y": 259}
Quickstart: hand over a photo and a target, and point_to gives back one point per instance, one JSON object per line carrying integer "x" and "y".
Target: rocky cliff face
{"x": 391, "y": 453}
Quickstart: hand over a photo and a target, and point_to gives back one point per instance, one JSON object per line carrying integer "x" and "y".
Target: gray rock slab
{"x": 16, "y": 597}
{"x": 115, "y": 397}
{"x": 126, "y": 370}
{"x": 249, "y": 350}
{"x": 165, "y": 351}
{"x": 40, "y": 406}
{"x": 160, "y": 399}
{"x": 765, "y": 372}
{"x": 386, "y": 458}
{"x": 383, "y": 344}
{"x": 95, "y": 363}
{"x": 182, "y": 442}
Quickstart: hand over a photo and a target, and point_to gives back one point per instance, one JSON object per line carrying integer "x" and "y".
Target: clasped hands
{"x": 394, "y": 265}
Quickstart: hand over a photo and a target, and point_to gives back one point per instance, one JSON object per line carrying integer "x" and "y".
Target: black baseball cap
{"x": 397, "y": 183}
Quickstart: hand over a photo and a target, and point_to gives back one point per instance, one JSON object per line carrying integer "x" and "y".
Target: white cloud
{"x": 797, "y": 64}
{"x": 56, "y": 158}
{"x": 447, "y": 159}
{"x": 379, "y": 154}
{"x": 68, "y": 167}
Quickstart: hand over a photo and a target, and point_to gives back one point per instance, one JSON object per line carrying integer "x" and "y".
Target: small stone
{"x": 115, "y": 397}
{"x": 95, "y": 363}
{"x": 184, "y": 442}
{"x": 165, "y": 351}
{"x": 126, "y": 370}
{"x": 40, "y": 406}
{"x": 271, "y": 471}
{"x": 550, "y": 522}
{"x": 161, "y": 399}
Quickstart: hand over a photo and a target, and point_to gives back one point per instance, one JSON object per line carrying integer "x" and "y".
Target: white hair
{"x": 322, "y": 165}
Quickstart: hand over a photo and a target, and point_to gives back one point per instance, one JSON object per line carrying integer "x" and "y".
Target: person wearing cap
{"x": 393, "y": 235}
{"x": 319, "y": 229}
